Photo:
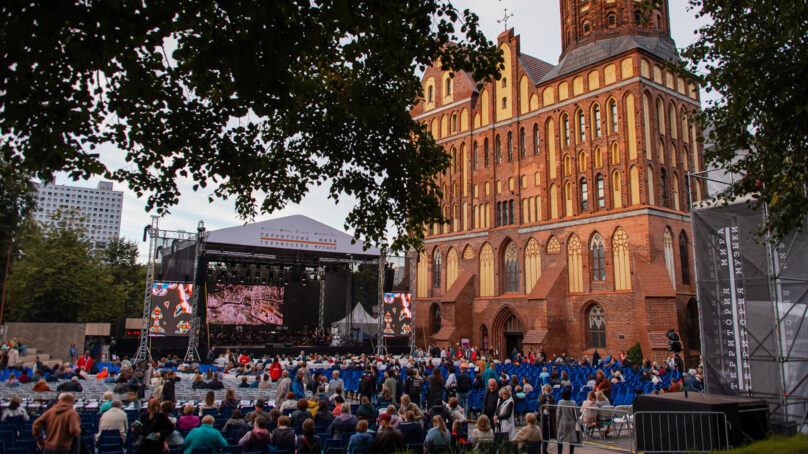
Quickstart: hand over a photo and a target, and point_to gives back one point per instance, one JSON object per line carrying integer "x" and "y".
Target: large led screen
{"x": 170, "y": 309}
{"x": 397, "y": 314}
{"x": 245, "y": 305}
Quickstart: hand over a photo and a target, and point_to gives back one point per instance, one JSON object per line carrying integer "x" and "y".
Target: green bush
{"x": 634, "y": 355}
{"x": 776, "y": 444}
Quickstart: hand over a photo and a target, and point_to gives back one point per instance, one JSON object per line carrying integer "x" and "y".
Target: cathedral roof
{"x": 607, "y": 48}
{"x": 535, "y": 68}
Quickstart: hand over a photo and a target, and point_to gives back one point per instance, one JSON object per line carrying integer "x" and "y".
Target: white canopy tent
{"x": 359, "y": 320}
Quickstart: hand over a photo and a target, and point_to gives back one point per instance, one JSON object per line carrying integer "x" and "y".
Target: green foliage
{"x": 17, "y": 201}
{"x": 781, "y": 445}
{"x": 754, "y": 55}
{"x": 260, "y": 100}
{"x": 634, "y": 355}
{"x": 61, "y": 279}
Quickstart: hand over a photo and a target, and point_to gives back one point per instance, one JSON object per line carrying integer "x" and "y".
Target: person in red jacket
{"x": 243, "y": 359}
{"x": 275, "y": 370}
{"x": 85, "y": 362}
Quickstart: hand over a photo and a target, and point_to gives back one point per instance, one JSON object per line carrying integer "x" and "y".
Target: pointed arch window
{"x": 663, "y": 187}
{"x": 436, "y": 318}
{"x": 601, "y": 193}
{"x": 431, "y": 94}
{"x": 436, "y": 265}
{"x": 684, "y": 258}
{"x": 485, "y": 152}
{"x": 476, "y": 154}
{"x": 565, "y": 129}
{"x": 667, "y": 242}
{"x": 598, "y": 258}
{"x": 522, "y": 145}
{"x": 596, "y": 127}
{"x": 622, "y": 261}
{"x": 584, "y": 186}
{"x": 511, "y": 268}
{"x": 581, "y": 127}
{"x": 498, "y": 150}
{"x": 448, "y": 86}
{"x": 510, "y": 146}
{"x": 613, "y": 116}
{"x": 512, "y": 325}
{"x": 536, "y": 138}
{"x": 596, "y": 327}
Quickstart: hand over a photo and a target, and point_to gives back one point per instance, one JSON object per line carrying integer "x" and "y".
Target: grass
{"x": 777, "y": 444}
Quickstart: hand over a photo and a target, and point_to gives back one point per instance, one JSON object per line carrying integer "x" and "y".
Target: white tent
{"x": 357, "y": 319}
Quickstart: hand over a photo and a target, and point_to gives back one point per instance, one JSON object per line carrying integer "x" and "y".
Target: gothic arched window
{"x": 684, "y": 258}
{"x": 598, "y": 259}
{"x": 584, "y": 194}
{"x": 436, "y": 262}
{"x": 485, "y": 151}
{"x": 511, "y": 268}
{"x": 596, "y": 327}
{"x": 600, "y": 191}
{"x": 510, "y": 146}
{"x": 536, "y": 138}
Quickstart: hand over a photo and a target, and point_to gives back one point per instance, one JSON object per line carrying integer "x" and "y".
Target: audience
{"x": 204, "y": 437}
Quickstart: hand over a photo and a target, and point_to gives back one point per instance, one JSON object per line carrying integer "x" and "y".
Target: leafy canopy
{"x": 259, "y": 99}
{"x": 755, "y": 56}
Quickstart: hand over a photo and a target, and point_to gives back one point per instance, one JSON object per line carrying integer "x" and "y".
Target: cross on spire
{"x": 505, "y": 19}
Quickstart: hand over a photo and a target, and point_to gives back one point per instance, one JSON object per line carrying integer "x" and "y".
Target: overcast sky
{"x": 538, "y": 23}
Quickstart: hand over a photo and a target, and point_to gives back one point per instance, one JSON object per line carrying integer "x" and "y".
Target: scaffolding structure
{"x": 753, "y": 303}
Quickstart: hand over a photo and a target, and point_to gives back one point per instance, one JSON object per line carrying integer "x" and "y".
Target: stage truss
{"x": 753, "y": 303}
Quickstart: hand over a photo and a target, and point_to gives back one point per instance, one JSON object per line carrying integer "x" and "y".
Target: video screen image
{"x": 230, "y": 304}
{"x": 170, "y": 309}
{"x": 397, "y": 314}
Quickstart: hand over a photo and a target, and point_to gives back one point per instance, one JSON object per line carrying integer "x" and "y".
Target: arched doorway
{"x": 508, "y": 332}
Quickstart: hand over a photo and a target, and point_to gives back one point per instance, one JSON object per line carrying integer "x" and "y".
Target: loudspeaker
{"x": 704, "y": 422}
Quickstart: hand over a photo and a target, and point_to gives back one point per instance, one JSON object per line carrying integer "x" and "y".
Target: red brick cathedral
{"x": 568, "y": 194}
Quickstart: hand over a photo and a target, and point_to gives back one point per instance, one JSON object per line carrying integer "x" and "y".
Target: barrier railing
{"x": 608, "y": 427}
{"x": 668, "y": 432}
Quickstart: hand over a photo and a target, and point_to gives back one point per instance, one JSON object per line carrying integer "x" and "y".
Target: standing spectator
{"x": 169, "y": 387}
{"x": 275, "y": 370}
{"x": 298, "y": 385}
{"x": 308, "y": 442}
{"x": 61, "y": 425}
{"x": 547, "y": 413}
{"x": 85, "y": 362}
{"x": 463, "y": 388}
{"x": 504, "y": 418}
{"x": 367, "y": 383}
{"x": 72, "y": 353}
{"x": 566, "y": 420}
{"x": 114, "y": 419}
{"x": 387, "y": 438}
{"x": 335, "y": 383}
{"x": 14, "y": 410}
{"x": 204, "y": 437}
{"x": 490, "y": 399}
{"x": 361, "y": 439}
{"x": 434, "y": 394}
{"x": 391, "y": 384}
{"x": 413, "y": 385}
{"x": 489, "y": 373}
{"x": 284, "y": 386}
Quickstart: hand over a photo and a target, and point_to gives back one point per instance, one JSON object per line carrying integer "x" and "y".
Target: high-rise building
{"x": 567, "y": 198}
{"x": 98, "y": 208}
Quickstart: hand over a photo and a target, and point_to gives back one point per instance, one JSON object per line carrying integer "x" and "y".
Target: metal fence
{"x": 620, "y": 429}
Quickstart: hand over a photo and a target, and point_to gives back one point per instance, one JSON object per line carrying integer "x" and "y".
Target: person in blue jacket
{"x": 297, "y": 386}
{"x": 204, "y": 437}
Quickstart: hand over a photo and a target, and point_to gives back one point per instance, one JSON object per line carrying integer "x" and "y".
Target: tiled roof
{"x": 607, "y": 48}
{"x": 535, "y": 336}
{"x": 535, "y": 68}
{"x": 444, "y": 333}
{"x": 546, "y": 282}
{"x": 458, "y": 286}
{"x": 654, "y": 279}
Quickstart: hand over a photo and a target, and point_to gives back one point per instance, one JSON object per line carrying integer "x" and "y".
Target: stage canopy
{"x": 296, "y": 232}
{"x": 358, "y": 318}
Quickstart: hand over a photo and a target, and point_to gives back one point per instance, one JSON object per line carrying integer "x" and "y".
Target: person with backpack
{"x": 463, "y": 387}
{"x": 367, "y": 384}
{"x": 413, "y": 386}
